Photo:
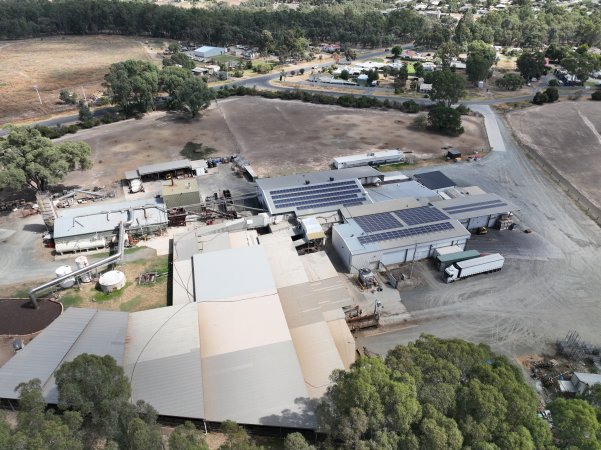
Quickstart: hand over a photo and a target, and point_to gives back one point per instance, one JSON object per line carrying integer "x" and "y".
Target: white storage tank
{"x": 82, "y": 262}
{"x": 75, "y": 246}
{"x": 61, "y": 272}
{"x": 112, "y": 280}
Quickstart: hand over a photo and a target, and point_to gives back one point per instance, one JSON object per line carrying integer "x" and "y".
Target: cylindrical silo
{"x": 62, "y": 271}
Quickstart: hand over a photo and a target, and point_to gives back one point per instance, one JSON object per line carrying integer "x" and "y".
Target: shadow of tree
{"x": 304, "y": 417}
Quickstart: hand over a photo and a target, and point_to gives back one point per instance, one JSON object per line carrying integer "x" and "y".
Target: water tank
{"x": 62, "y": 271}
{"x": 82, "y": 262}
{"x": 112, "y": 280}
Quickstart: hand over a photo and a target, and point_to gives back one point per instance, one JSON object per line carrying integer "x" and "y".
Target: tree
{"x": 531, "y": 65}
{"x": 192, "y": 96}
{"x": 85, "y": 115}
{"x": 396, "y": 51}
{"x": 180, "y": 59}
{"x": 27, "y": 159}
{"x": 446, "y": 119}
{"x": 266, "y": 42}
{"x": 173, "y": 47}
{"x": 480, "y": 58}
{"x": 510, "y": 81}
{"x": 344, "y": 74}
{"x": 447, "y": 52}
{"x": 596, "y": 95}
{"x": 447, "y": 87}
{"x": 236, "y": 437}
{"x": 70, "y": 98}
{"x": 172, "y": 77}
{"x": 132, "y": 85}
{"x": 97, "y": 388}
{"x": 540, "y": 98}
{"x": 187, "y": 437}
{"x": 296, "y": 441}
{"x": 552, "y": 94}
{"x": 419, "y": 69}
{"x": 576, "y": 424}
{"x": 372, "y": 75}
{"x": 581, "y": 65}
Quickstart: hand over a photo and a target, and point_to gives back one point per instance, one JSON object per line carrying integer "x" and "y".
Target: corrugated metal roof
{"x": 402, "y": 189}
{"x": 462, "y": 208}
{"x": 165, "y": 167}
{"x": 74, "y": 332}
{"x": 299, "y": 179}
{"x": 105, "y": 218}
{"x": 261, "y": 385}
{"x": 103, "y": 335}
{"x": 162, "y": 360}
{"x": 285, "y": 263}
{"x": 232, "y": 274}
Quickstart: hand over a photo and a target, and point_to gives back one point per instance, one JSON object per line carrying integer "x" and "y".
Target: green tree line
{"x": 220, "y": 25}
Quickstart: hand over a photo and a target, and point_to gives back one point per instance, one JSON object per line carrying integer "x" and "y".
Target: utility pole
{"x": 38, "y": 92}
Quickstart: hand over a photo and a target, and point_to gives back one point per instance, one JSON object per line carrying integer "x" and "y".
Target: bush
{"x": 553, "y": 83}
{"x": 301, "y": 71}
{"x": 510, "y": 81}
{"x": 463, "y": 110}
{"x": 445, "y": 119}
{"x": 540, "y": 98}
{"x": 262, "y": 68}
{"x": 238, "y": 73}
{"x": 552, "y": 94}
{"x": 596, "y": 95}
{"x": 411, "y": 107}
{"x": 421, "y": 121}
{"x": 72, "y": 129}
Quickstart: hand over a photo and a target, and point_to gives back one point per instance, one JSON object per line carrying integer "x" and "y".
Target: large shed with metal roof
{"x": 96, "y": 226}
{"x": 476, "y": 211}
{"x": 316, "y": 192}
{"x": 393, "y": 232}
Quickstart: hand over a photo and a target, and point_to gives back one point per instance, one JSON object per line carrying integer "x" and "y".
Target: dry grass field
{"x": 568, "y": 136}
{"x": 52, "y": 64}
{"x": 277, "y": 137}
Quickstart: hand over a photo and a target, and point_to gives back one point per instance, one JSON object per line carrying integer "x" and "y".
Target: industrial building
{"x": 316, "y": 192}
{"x": 177, "y": 194}
{"x": 393, "y": 232}
{"x": 369, "y": 159}
{"x": 395, "y": 190}
{"x": 167, "y": 170}
{"x": 476, "y": 211}
{"x": 206, "y": 51}
{"x": 96, "y": 226}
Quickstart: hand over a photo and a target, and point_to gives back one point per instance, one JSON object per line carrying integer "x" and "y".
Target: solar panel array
{"x": 419, "y": 215}
{"x": 378, "y": 222}
{"x": 313, "y": 196}
{"x": 407, "y": 232}
{"x": 475, "y": 206}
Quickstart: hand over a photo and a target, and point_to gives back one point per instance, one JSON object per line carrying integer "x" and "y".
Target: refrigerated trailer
{"x": 475, "y": 266}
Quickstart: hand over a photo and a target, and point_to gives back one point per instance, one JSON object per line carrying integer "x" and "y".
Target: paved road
{"x": 491, "y": 123}
{"x": 546, "y": 288}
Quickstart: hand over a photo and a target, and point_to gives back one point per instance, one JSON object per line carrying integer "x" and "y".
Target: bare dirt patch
{"x": 277, "y": 137}
{"x": 17, "y": 316}
{"x": 568, "y": 136}
{"x": 52, "y": 64}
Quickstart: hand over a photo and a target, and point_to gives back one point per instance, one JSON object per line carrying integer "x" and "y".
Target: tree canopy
{"x": 132, "y": 85}
{"x": 27, "y": 159}
{"x": 433, "y": 394}
{"x": 447, "y": 87}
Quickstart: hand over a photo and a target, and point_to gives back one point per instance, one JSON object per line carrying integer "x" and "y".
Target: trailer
{"x": 369, "y": 159}
{"x": 444, "y": 261}
{"x": 475, "y": 266}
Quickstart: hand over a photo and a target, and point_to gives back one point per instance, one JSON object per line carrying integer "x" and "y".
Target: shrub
{"x": 552, "y": 94}
{"x": 301, "y": 71}
{"x": 421, "y": 121}
{"x": 553, "y": 83}
{"x": 463, "y": 110}
{"x": 411, "y": 107}
{"x": 540, "y": 98}
{"x": 596, "y": 95}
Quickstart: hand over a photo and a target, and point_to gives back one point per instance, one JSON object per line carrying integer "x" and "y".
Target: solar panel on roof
{"x": 344, "y": 193}
{"x": 483, "y": 204}
{"x": 421, "y": 214}
{"x": 406, "y": 232}
{"x": 378, "y": 222}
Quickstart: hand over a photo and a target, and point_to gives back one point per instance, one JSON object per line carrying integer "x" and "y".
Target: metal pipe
{"x": 102, "y": 262}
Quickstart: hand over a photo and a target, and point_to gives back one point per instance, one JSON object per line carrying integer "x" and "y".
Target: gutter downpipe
{"x": 117, "y": 256}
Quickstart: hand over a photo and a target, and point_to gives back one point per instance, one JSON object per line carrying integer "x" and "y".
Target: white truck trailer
{"x": 369, "y": 159}
{"x": 475, "y": 266}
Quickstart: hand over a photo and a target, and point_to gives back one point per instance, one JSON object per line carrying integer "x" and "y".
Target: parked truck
{"x": 475, "y": 266}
